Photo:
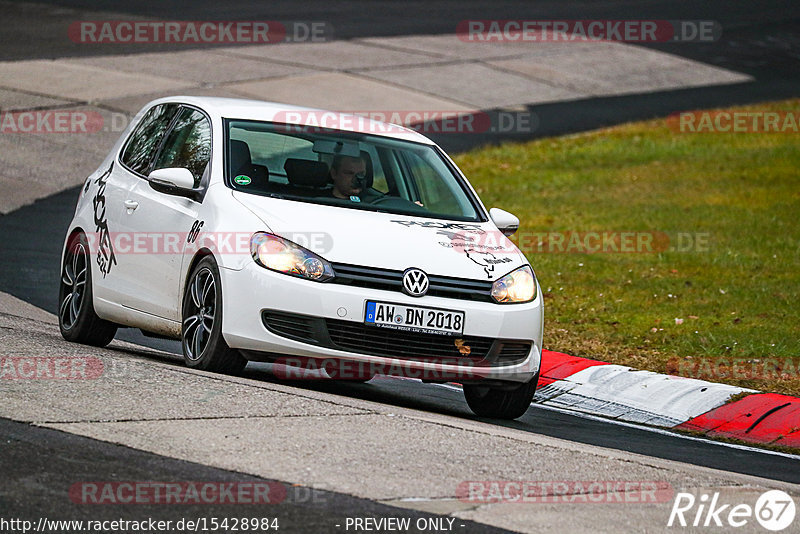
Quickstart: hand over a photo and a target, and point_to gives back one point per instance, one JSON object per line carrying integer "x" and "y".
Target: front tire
{"x": 201, "y": 332}
{"x": 76, "y": 317}
{"x": 498, "y": 403}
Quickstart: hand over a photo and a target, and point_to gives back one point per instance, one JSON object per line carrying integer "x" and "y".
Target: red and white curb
{"x": 626, "y": 394}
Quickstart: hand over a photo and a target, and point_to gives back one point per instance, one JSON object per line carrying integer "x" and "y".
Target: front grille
{"x": 387, "y": 279}
{"x": 360, "y": 338}
{"x": 290, "y": 325}
{"x": 514, "y": 351}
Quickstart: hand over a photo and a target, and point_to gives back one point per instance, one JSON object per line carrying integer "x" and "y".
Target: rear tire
{"x": 500, "y": 403}
{"x": 77, "y": 319}
{"x": 201, "y": 331}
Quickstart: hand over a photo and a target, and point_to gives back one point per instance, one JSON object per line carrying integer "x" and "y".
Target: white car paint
{"x": 146, "y": 290}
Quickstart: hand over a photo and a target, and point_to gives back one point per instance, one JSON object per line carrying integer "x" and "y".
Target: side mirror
{"x": 173, "y": 181}
{"x": 506, "y": 222}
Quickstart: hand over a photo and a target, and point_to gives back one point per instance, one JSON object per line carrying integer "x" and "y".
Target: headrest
{"x": 306, "y": 172}
{"x": 240, "y": 155}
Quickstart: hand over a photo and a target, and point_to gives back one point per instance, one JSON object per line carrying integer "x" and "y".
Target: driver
{"x": 348, "y": 175}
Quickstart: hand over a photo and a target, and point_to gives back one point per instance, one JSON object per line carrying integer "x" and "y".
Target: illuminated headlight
{"x": 278, "y": 254}
{"x": 516, "y": 286}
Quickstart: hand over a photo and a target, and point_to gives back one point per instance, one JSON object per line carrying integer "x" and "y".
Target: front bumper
{"x": 248, "y": 292}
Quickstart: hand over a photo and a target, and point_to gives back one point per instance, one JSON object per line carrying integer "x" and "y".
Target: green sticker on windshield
{"x": 242, "y": 180}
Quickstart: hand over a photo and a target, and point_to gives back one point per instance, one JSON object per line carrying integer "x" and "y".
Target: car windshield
{"x": 352, "y": 170}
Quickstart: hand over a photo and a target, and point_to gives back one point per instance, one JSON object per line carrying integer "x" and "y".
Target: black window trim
{"x": 206, "y": 176}
{"x": 158, "y": 148}
{"x": 482, "y": 214}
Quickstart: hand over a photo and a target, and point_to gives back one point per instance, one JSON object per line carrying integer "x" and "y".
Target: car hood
{"x": 475, "y": 251}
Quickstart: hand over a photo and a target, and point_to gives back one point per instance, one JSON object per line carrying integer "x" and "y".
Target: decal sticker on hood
{"x": 487, "y": 260}
{"x": 480, "y": 254}
{"x": 443, "y": 225}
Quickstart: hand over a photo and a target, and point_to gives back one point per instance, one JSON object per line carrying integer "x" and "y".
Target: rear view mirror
{"x": 343, "y": 148}
{"x": 506, "y": 222}
{"x": 173, "y": 181}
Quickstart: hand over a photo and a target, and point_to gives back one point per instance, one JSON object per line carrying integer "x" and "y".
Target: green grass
{"x": 739, "y": 296}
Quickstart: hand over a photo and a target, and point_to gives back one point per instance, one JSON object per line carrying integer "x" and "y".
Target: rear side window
{"x": 188, "y": 144}
{"x": 144, "y": 140}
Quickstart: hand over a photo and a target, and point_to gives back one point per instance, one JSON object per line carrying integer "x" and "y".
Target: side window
{"x": 143, "y": 142}
{"x": 188, "y": 145}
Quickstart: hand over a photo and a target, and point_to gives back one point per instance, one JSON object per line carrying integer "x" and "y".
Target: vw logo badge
{"x": 415, "y": 282}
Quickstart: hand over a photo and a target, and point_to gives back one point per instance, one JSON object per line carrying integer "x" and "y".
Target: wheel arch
{"x": 70, "y": 235}
{"x": 201, "y": 253}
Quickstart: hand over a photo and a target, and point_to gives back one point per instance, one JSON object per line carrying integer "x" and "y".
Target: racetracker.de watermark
{"x": 399, "y": 122}
{"x": 50, "y": 368}
{"x": 564, "y": 491}
{"x": 199, "y": 32}
{"x": 721, "y": 368}
{"x": 576, "y": 242}
{"x": 59, "y": 121}
{"x": 184, "y": 492}
{"x": 445, "y": 369}
{"x": 189, "y": 242}
{"x": 735, "y": 121}
{"x": 463, "y": 241}
{"x": 587, "y": 31}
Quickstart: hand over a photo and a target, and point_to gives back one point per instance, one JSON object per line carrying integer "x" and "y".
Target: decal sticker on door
{"x": 105, "y": 249}
{"x": 191, "y": 237}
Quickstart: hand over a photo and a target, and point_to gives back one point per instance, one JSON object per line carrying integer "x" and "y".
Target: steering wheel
{"x": 384, "y": 199}
{"x": 397, "y": 202}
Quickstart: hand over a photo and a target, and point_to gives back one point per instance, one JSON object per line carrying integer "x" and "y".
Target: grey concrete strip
{"x": 33, "y": 175}
{"x": 91, "y": 377}
{"x": 451, "y": 46}
{"x": 132, "y": 104}
{"x": 17, "y": 100}
{"x": 94, "y": 131}
{"x": 192, "y": 66}
{"x": 378, "y": 456}
{"x": 613, "y": 69}
{"x": 36, "y": 165}
{"x": 17, "y": 193}
{"x": 11, "y": 305}
{"x": 336, "y": 55}
{"x": 587, "y": 517}
{"x": 80, "y": 82}
{"x": 480, "y": 85}
{"x": 345, "y": 92}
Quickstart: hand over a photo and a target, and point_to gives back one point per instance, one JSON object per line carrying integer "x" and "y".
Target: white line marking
{"x": 662, "y": 431}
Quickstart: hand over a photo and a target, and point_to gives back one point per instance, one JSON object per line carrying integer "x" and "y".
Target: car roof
{"x": 257, "y": 110}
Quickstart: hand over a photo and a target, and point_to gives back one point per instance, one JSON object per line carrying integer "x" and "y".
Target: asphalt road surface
{"x": 30, "y": 265}
{"x": 296, "y": 508}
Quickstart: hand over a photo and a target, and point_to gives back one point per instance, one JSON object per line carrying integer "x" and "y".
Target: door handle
{"x": 131, "y": 204}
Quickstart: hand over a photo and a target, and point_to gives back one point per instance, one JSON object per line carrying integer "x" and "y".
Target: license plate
{"x": 414, "y": 318}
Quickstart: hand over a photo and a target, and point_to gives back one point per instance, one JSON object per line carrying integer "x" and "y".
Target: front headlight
{"x": 516, "y": 286}
{"x": 283, "y": 256}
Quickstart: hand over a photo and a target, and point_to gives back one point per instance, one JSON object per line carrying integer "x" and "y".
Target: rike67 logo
{"x": 774, "y": 510}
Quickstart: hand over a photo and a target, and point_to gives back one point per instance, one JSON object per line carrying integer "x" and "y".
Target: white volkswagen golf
{"x": 258, "y": 231}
